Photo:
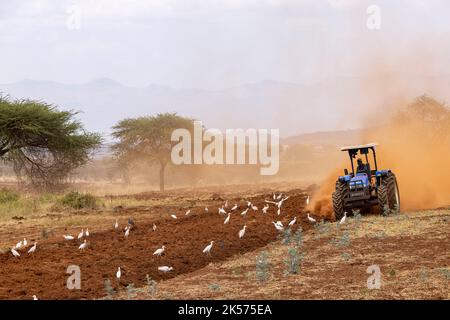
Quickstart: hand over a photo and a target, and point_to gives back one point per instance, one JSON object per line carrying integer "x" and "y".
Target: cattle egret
{"x": 255, "y": 208}
{"x": 173, "y": 216}
{"x": 226, "y": 204}
{"x": 278, "y": 211}
{"x": 206, "y": 209}
{"x": 33, "y": 248}
{"x": 234, "y": 207}
{"x": 127, "y": 232}
{"x": 15, "y": 253}
{"x": 266, "y": 207}
{"x": 242, "y": 232}
{"x": 279, "y": 223}
{"x": 131, "y": 222}
{"x": 342, "y": 221}
{"x": 249, "y": 204}
{"x": 83, "y": 245}
{"x": 154, "y": 227}
{"x": 243, "y": 213}
{"x": 277, "y": 226}
{"x": 312, "y": 220}
{"x": 25, "y": 243}
{"x": 165, "y": 269}
{"x": 87, "y": 233}
{"x": 279, "y": 196}
{"x": 116, "y": 225}
{"x": 274, "y": 196}
{"x": 222, "y": 211}
{"x": 292, "y": 222}
{"x": 307, "y": 201}
{"x": 187, "y": 212}
{"x": 118, "y": 274}
{"x": 227, "y": 219}
{"x": 34, "y": 297}
{"x": 208, "y": 248}
{"x": 80, "y": 235}
{"x": 18, "y": 245}
{"x": 68, "y": 237}
{"x": 159, "y": 251}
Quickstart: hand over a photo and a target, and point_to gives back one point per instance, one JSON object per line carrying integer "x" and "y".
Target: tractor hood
{"x": 361, "y": 180}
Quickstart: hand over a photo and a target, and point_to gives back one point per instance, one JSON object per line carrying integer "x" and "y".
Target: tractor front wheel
{"x": 338, "y": 199}
{"x": 388, "y": 194}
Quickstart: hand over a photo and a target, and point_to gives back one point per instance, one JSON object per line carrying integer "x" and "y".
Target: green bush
{"x": 78, "y": 200}
{"x": 7, "y": 195}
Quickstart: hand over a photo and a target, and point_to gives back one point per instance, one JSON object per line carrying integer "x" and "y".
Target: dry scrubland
{"x": 321, "y": 261}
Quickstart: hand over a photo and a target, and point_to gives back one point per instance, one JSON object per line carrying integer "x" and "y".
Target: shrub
{"x": 7, "y": 195}
{"x": 78, "y": 200}
{"x": 262, "y": 267}
{"x": 293, "y": 261}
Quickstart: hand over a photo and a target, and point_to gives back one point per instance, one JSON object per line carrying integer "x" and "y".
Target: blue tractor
{"x": 365, "y": 188}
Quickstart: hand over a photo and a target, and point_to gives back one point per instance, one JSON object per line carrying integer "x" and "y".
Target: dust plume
{"x": 415, "y": 145}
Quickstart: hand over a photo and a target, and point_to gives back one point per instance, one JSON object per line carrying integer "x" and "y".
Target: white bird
{"x": 234, "y": 207}
{"x": 242, "y": 232}
{"x": 279, "y": 196}
{"x": 154, "y": 227}
{"x": 15, "y": 253}
{"x": 208, "y": 248}
{"x": 80, "y": 235}
{"x": 343, "y": 218}
{"x": 87, "y": 233}
{"x": 279, "y": 223}
{"x": 227, "y": 219}
{"x": 25, "y": 243}
{"x": 33, "y": 248}
{"x": 222, "y": 211}
{"x": 274, "y": 196}
{"x": 118, "y": 274}
{"x": 187, "y": 212}
{"x": 243, "y": 213}
{"x": 116, "y": 225}
{"x": 83, "y": 245}
{"x": 18, "y": 245}
{"x": 279, "y": 211}
{"x": 255, "y": 208}
{"x": 159, "y": 251}
{"x": 165, "y": 269}
{"x": 206, "y": 209}
{"x": 278, "y": 227}
{"x": 34, "y": 297}
{"x": 266, "y": 207}
{"x": 292, "y": 222}
{"x": 249, "y": 204}
{"x": 226, "y": 204}
{"x": 68, "y": 237}
{"x": 127, "y": 232}
{"x": 173, "y": 216}
{"x": 307, "y": 201}
{"x": 312, "y": 220}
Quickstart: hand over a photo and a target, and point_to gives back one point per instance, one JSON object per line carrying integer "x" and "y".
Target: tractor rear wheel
{"x": 388, "y": 194}
{"x": 338, "y": 199}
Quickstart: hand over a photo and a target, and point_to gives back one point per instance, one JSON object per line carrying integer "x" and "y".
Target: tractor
{"x": 365, "y": 189}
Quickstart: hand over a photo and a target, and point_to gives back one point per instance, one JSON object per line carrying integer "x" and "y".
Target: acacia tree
{"x": 42, "y": 143}
{"x": 148, "y": 138}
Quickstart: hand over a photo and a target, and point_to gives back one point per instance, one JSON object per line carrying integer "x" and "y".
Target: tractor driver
{"x": 361, "y": 168}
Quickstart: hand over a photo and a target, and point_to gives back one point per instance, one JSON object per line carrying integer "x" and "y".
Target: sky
{"x": 217, "y": 44}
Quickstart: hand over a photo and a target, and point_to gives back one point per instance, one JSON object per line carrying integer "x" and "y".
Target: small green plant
{"x": 131, "y": 291}
{"x": 297, "y": 238}
{"x": 346, "y": 256}
{"x": 386, "y": 210}
{"x": 423, "y": 275}
{"x": 342, "y": 241}
{"x": 286, "y": 236}
{"x": 357, "y": 217}
{"x": 151, "y": 285}
{"x": 396, "y": 210}
{"x": 45, "y": 233}
{"x": 321, "y": 228}
{"x": 110, "y": 292}
{"x": 78, "y": 200}
{"x": 7, "y": 195}
{"x": 214, "y": 287}
{"x": 293, "y": 261}
{"x": 392, "y": 272}
{"x": 445, "y": 273}
{"x": 262, "y": 267}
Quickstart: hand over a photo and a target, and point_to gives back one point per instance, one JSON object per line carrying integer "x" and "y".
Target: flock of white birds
{"x": 277, "y": 201}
